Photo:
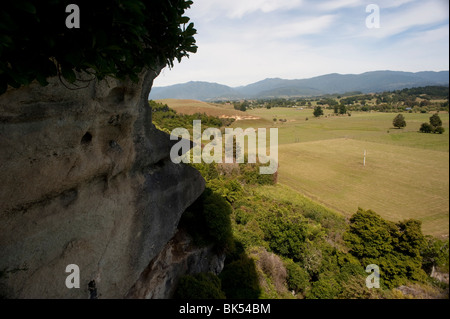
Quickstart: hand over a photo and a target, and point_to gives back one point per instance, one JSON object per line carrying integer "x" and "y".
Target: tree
{"x": 318, "y": 111}
{"x": 116, "y": 38}
{"x": 399, "y": 121}
{"x": 336, "y": 109}
{"x": 426, "y": 128}
{"x": 435, "y": 120}
{"x": 342, "y": 109}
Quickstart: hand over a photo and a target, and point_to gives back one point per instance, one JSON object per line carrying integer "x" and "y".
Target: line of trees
{"x": 422, "y": 99}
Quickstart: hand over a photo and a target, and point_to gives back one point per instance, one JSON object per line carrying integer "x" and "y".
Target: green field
{"x": 406, "y": 172}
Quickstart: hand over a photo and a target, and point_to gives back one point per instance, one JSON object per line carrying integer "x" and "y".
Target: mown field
{"x": 406, "y": 172}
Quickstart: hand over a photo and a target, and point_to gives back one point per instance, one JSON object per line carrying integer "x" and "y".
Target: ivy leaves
{"x": 117, "y": 38}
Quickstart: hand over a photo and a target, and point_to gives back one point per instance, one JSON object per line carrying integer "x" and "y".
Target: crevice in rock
{"x": 86, "y": 139}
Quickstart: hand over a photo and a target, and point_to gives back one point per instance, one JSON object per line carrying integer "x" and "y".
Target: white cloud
{"x": 338, "y": 4}
{"x": 311, "y": 25}
{"x": 236, "y": 9}
{"x": 294, "y": 39}
{"x": 392, "y": 4}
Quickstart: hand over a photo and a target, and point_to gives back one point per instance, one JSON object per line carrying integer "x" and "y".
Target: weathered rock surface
{"x": 180, "y": 256}
{"x": 86, "y": 179}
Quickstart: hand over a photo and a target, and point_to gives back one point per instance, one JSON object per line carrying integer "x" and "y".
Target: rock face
{"x": 86, "y": 179}
{"x": 178, "y": 257}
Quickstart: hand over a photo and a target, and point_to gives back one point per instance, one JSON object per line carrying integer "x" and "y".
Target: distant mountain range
{"x": 369, "y": 82}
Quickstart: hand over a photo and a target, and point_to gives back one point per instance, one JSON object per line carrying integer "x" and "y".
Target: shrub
{"x": 395, "y": 248}
{"x": 285, "y": 234}
{"x": 369, "y": 235}
{"x": 426, "y": 128}
{"x": 208, "y": 221}
{"x": 297, "y": 277}
{"x": 273, "y": 268}
{"x": 217, "y": 216}
{"x": 325, "y": 288}
{"x": 355, "y": 288}
{"x": 199, "y": 286}
{"x": 240, "y": 279}
{"x": 435, "y": 254}
{"x": 439, "y": 130}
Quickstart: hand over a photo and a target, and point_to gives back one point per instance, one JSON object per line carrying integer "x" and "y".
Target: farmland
{"x": 406, "y": 172}
{"x": 190, "y": 107}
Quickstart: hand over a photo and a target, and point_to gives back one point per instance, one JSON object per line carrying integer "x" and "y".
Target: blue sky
{"x": 244, "y": 41}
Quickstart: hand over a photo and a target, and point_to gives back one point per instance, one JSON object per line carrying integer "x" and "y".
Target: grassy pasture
{"x": 406, "y": 172}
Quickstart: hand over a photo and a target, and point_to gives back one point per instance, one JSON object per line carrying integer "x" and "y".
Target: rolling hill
{"x": 376, "y": 81}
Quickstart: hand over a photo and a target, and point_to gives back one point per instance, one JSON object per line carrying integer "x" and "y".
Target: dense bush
{"x": 230, "y": 189}
{"x": 426, "y": 128}
{"x": 249, "y": 174}
{"x": 435, "y": 125}
{"x": 395, "y": 248}
{"x": 199, "y": 286}
{"x": 297, "y": 277}
{"x": 240, "y": 279}
{"x": 168, "y": 119}
{"x": 285, "y": 233}
{"x": 272, "y": 272}
{"x": 435, "y": 253}
{"x": 325, "y": 288}
{"x": 369, "y": 235}
{"x": 439, "y": 130}
{"x": 208, "y": 221}
{"x": 323, "y": 255}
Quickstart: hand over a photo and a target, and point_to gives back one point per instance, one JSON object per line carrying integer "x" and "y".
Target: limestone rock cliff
{"x": 86, "y": 179}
